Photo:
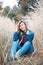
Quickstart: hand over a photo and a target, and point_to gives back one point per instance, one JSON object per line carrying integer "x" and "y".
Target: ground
{"x": 7, "y": 28}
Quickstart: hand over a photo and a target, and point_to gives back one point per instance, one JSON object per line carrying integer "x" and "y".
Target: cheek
{"x": 24, "y": 27}
{"x": 20, "y": 27}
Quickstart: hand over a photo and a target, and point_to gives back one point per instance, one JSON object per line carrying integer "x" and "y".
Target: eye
{"x": 22, "y": 24}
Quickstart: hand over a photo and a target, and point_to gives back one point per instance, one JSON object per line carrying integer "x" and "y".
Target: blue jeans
{"x": 26, "y": 48}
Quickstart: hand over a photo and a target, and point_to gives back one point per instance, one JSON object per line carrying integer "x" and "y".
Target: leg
{"x": 31, "y": 49}
{"x": 14, "y": 49}
{"x": 24, "y": 49}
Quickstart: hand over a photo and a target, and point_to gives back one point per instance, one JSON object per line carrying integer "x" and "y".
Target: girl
{"x": 22, "y": 41}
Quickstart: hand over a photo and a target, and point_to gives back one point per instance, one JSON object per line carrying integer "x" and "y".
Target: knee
{"x": 15, "y": 42}
{"x": 28, "y": 43}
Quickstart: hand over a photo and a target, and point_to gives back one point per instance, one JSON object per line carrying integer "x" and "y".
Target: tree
{"x": 11, "y": 15}
{"x": 27, "y": 5}
{"x": 6, "y": 10}
{"x": 0, "y": 5}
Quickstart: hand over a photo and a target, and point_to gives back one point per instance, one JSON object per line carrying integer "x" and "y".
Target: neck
{"x": 25, "y": 30}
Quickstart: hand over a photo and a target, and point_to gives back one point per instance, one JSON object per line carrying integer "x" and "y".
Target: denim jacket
{"x": 29, "y": 36}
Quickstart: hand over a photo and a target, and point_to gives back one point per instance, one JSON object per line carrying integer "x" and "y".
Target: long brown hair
{"x": 19, "y": 31}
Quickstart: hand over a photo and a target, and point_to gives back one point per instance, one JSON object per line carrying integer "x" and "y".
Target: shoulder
{"x": 29, "y": 31}
{"x": 15, "y": 34}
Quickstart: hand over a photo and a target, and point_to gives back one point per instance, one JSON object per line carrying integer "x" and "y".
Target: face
{"x": 22, "y": 26}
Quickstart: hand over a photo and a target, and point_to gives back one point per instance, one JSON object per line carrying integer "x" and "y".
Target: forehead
{"x": 22, "y": 23}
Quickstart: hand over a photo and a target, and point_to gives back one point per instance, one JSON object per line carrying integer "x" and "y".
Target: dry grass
{"x": 7, "y": 28}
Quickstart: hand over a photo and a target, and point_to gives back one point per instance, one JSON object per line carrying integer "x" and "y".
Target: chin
{"x": 22, "y": 30}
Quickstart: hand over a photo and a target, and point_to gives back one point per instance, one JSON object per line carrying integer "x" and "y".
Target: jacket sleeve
{"x": 30, "y": 36}
{"x": 15, "y": 36}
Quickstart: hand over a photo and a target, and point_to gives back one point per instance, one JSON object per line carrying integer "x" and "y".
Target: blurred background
{"x": 11, "y": 11}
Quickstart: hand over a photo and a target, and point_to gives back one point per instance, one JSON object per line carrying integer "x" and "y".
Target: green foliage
{"x": 9, "y": 12}
{"x": 27, "y": 5}
{"x": 11, "y": 15}
{"x": 33, "y": 3}
{"x": 6, "y": 10}
{"x": 0, "y": 51}
{"x": 0, "y": 8}
{"x": 18, "y": 17}
{"x": 25, "y": 8}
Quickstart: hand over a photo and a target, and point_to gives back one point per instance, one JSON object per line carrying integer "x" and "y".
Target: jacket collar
{"x": 26, "y": 32}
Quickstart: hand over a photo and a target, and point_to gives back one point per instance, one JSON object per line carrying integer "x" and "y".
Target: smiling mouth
{"x": 22, "y": 30}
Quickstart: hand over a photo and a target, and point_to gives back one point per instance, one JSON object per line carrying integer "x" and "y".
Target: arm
{"x": 15, "y": 36}
{"x": 30, "y": 36}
